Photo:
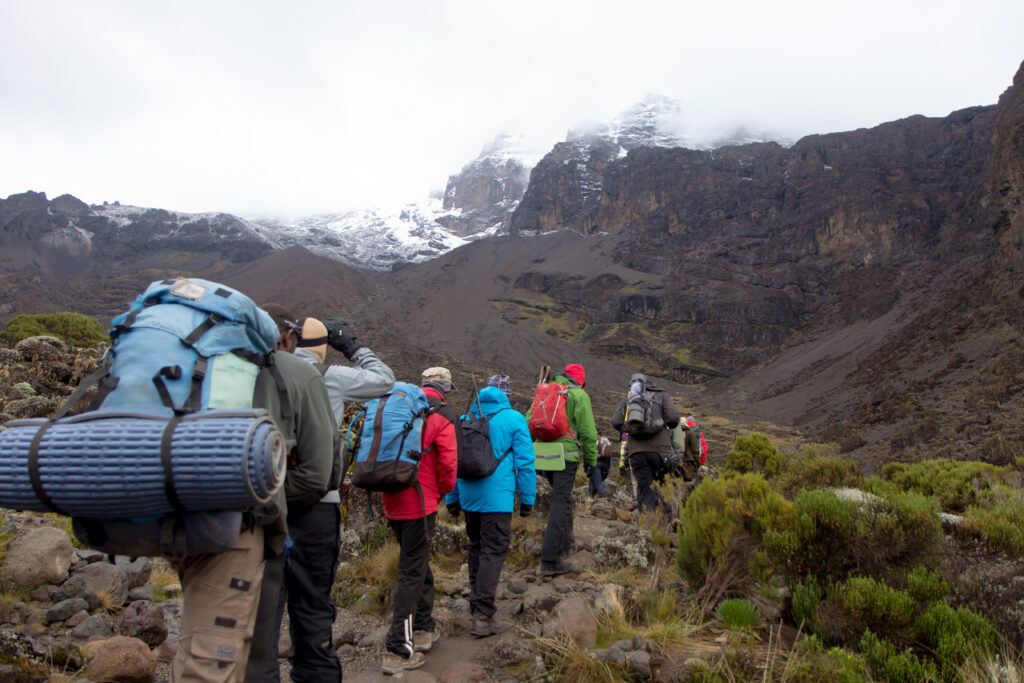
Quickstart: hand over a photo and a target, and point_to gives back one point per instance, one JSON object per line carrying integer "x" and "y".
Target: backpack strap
{"x": 170, "y": 490}
{"x": 33, "y": 468}
{"x": 267, "y": 362}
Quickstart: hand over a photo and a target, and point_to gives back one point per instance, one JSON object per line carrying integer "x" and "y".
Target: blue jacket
{"x": 496, "y": 493}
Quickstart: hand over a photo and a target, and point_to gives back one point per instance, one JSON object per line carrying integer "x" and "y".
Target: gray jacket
{"x": 369, "y": 378}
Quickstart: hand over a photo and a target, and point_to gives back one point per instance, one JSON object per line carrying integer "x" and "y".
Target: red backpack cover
{"x": 548, "y": 419}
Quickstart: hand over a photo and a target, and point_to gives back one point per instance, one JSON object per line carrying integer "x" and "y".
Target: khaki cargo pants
{"x": 221, "y": 596}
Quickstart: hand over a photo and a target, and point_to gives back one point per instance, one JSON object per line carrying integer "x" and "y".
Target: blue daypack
{"x": 188, "y": 347}
{"x": 389, "y": 454}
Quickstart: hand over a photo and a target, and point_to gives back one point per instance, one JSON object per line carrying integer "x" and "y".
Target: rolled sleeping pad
{"x": 108, "y": 463}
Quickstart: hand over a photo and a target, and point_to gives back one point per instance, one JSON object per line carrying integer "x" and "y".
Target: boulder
{"x": 65, "y": 608}
{"x": 43, "y": 555}
{"x": 94, "y": 625}
{"x": 105, "y": 578}
{"x": 143, "y": 620}
{"x": 573, "y": 618}
{"x": 639, "y": 662}
{"x": 76, "y": 587}
{"x": 123, "y": 660}
{"x": 138, "y": 570}
{"x": 540, "y": 598}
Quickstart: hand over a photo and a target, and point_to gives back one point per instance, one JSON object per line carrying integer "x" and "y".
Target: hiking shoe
{"x": 393, "y": 664}
{"x": 556, "y": 568}
{"x": 485, "y": 627}
{"x": 422, "y": 641}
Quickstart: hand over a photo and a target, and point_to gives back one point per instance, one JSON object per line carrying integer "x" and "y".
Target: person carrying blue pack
{"x": 489, "y": 503}
{"x": 411, "y": 513}
{"x": 314, "y": 528}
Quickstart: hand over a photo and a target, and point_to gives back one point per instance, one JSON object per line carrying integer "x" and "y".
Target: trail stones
{"x": 106, "y": 579}
{"x": 145, "y": 621}
{"x": 41, "y": 556}
{"x": 126, "y": 660}
{"x": 573, "y": 618}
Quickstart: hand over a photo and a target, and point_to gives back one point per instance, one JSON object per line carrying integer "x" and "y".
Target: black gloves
{"x": 454, "y": 509}
{"x": 525, "y": 510}
{"x": 341, "y": 337}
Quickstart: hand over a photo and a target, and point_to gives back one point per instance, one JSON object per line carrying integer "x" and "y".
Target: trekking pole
{"x": 545, "y": 370}
{"x": 476, "y": 393}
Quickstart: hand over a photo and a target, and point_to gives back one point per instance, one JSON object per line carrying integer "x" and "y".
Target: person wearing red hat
{"x": 581, "y": 442}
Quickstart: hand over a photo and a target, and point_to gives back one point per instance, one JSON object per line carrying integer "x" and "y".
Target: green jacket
{"x": 581, "y": 419}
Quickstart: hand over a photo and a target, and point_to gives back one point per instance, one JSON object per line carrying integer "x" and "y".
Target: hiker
{"x": 599, "y": 472}
{"x": 489, "y": 502}
{"x": 411, "y": 514}
{"x": 582, "y": 441}
{"x": 686, "y": 445}
{"x": 315, "y": 529}
{"x": 647, "y": 415}
{"x": 224, "y": 590}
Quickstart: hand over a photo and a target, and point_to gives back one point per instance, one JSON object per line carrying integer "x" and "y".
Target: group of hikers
{"x": 301, "y": 579}
{"x": 485, "y": 464}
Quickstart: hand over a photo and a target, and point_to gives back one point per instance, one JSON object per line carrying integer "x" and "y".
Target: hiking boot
{"x": 485, "y": 627}
{"x": 555, "y": 568}
{"x": 393, "y": 664}
{"x": 422, "y": 641}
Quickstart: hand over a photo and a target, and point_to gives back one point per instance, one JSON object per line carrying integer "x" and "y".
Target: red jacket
{"x": 436, "y": 473}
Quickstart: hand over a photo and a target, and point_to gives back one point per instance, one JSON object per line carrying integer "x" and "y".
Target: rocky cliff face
{"x": 48, "y": 235}
{"x": 483, "y": 194}
{"x": 1008, "y": 194}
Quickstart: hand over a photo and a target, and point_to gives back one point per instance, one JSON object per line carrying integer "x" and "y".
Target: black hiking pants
{"x": 490, "y": 534}
{"x": 558, "y": 538}
{"x": 312, "y": 564}
{"x": 414, "y": 597}
{"x": 647, "y": 469}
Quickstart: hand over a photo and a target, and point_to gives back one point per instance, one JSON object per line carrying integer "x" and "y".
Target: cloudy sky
{"x": 293, "y": 108}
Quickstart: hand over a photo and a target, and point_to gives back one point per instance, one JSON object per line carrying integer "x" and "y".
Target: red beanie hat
{"x": 576, "y": 371}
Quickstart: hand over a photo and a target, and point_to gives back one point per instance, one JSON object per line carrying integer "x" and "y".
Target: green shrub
{"x": 806, "y": 597}
{"x": 810, "y": 662}
{"x": 810, "y": 470}
{"x": 833, "y": 538}
{"x": 723, "y": 523}
{"x": 887, "y": 663}
{"x": 1001, "y": 521}
{"x": 865, "y": 603}
{"x": 738, "y": 614}
{"x": 818, "y": 540}
{"x": 926, "y": 586}
{"x": 74, "y": 328}
{"x": 956, "y": 637}
{"x": 956, "y": 484}
{"x": 754, "y": 453}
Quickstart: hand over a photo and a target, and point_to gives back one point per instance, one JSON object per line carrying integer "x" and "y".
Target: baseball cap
{"x": 437, "y": 374}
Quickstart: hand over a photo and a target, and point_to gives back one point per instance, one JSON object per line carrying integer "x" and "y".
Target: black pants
{"x": 647, "y": 469}
{"x": 598, "y": 473}
{"x": 312, "y": 564}
{"x": 558, "y": 539}
{"x": 414, "y": 598}
{"x": 268, "y": 623}
{"x": 490, "y": 534}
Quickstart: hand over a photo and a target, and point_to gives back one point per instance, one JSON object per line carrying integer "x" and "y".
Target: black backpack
{"x": 476, "y": 459}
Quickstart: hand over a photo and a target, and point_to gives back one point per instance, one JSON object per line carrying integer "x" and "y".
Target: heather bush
{"x": 723, "y": 523}
{"x": 957, "y": 484}
{"x": 810, "y": 470}
{"x": 886, "y": 662}
{"x": 925, "y": 585}
{"x": 1000, "y": 521}
{"x": 754, "y": 453}
{"x": 74, "y": 328}
{"x": 832, "y": 538}
{"x": 955, "y": 637}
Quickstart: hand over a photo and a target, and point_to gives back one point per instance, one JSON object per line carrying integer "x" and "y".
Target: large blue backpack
{"x": 170, "y": 453}
{"x": 389, "y": 454}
